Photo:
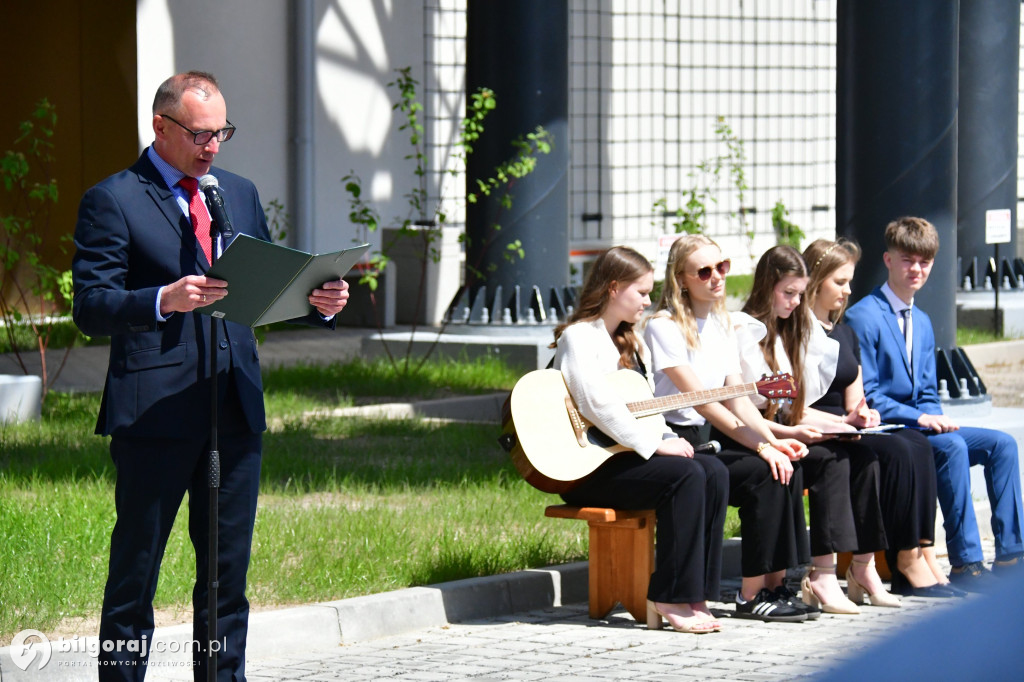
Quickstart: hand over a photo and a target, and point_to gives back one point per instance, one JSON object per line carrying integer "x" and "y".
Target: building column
{"x": 896, "y": 140}
{"x": 520, "y": 51}
{"x": 987, "y": 139}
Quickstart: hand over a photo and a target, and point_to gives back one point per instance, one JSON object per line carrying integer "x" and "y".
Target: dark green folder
{"x": 270, "y": 283}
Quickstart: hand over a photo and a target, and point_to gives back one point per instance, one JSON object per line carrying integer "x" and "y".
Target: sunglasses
{"x": 704, "y": 274}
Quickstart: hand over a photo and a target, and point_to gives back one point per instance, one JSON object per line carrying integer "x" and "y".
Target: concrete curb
{"x": 325, "y": 626}
{"x": 999, "y": 353}
{"x": 484, "y": 408}
{"x": 524, "y": 347}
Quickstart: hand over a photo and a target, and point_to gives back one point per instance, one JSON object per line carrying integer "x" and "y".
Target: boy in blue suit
{"x": 897, "y": 347}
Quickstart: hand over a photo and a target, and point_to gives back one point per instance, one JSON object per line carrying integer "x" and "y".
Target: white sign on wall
{"x": 998, "y": 225}
{"x": 665, "y": 243}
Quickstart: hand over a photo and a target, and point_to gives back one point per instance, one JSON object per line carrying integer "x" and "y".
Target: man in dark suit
{"x": 142, "y": 250}
{"x": 897, "y": 347}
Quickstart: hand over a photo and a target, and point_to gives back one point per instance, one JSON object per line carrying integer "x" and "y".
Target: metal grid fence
{"x": 649, "y": 82}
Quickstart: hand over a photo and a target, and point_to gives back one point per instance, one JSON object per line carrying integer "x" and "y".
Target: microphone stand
{"x": 213, "y": 478}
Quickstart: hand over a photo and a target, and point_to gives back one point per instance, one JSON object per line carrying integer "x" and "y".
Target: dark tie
{"x": 199, "y": 216}
{"x": 907, "y": 332}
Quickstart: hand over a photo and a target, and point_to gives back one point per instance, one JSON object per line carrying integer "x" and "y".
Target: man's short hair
{"x": 913, "y": 236}
{"x": 169, "y": 94}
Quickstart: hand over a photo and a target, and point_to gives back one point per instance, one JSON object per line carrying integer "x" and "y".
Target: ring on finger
{"x": 204, "y": 298}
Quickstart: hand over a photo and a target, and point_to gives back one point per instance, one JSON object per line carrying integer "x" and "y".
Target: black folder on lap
{"x": 269, "y": 283}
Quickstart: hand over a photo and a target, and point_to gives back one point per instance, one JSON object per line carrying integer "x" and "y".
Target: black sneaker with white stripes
{"x": 768, "y": 607}
{"x": 787, "y": 595}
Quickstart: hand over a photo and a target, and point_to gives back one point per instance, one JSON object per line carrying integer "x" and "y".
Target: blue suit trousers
{"x": 955, "y": 453}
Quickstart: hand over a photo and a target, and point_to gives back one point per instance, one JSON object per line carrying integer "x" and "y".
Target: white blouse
{"x": 715, "y": 359}
{"x": 821, "y": 356}
{"x": 586, "y": 355}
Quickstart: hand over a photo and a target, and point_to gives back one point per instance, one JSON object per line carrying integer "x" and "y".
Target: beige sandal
{"x": 697, "y": 625}
{"x": 809, "y": 597}
{"x": 857, "y": 591}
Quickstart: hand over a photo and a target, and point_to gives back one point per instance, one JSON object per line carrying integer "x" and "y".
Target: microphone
{"x": 215, "y": 202}
{"x": 712, "y": 446}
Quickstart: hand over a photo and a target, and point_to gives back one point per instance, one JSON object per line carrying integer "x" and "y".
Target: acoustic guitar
{"x": 554, "y": 446}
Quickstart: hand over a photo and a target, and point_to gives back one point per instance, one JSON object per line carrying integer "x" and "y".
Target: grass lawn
{"x": 348, "y": 506}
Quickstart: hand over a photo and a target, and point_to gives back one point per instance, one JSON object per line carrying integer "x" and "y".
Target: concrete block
{"x": 21, "y": 398}
{"x": 497, "y": 595}
{"x": 731, "y": 565}
{"x": 287, "y": 631}
{"x": 391, "y": 613}
{"x": 477, "y": 408}
{"x": 1010, "y": 420}
{"x": 525, "y": 348}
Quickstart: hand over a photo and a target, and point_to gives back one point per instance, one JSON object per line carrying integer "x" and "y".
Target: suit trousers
{"x": 153, "y": 476}
{"x": 772, "y": 526}
{"x": 842, "y": 479}
{"x": 689, "y": 499}
{"x": 955, "y": 453}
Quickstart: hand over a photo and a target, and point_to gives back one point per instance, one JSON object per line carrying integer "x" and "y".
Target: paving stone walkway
{"x": 565, "y": 644}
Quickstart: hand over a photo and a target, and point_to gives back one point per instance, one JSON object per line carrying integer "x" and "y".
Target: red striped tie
{"x": 199, "y": 216}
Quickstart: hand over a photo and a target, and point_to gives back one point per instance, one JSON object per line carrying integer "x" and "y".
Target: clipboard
{"x": 270, "y": 283}
{"x": 880, "y": 429}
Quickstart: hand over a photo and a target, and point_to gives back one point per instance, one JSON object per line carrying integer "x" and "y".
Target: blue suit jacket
{"x": 899, "y": 395}
{"x": 131, "y": 239}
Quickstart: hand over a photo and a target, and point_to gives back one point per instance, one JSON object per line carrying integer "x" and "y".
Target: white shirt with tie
{"x": 904, "y": 318}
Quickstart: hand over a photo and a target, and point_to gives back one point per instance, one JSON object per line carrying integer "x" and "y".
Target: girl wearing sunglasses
{"x": 842, "y": 476}
{"x": 693, "y": 348}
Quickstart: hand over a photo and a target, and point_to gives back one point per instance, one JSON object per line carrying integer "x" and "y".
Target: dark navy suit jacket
{"x": 132, "y": 238}
{"x": 899, "y": 394}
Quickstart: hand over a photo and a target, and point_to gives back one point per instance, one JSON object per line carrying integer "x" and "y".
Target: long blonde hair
{"x": 618, "y": 265}
{"x": 776, "y": 264}
{"x": 674, "y": 298}
{"x": 823, "y": 257}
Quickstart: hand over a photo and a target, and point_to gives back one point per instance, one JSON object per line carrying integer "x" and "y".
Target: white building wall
{"x": 648, "y": 79}
{"x": 359, "y": 45}
{"x": 244, "y": 44}
{"x": 247, "y": 44}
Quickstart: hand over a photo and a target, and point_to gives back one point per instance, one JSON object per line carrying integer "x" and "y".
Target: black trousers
{"x": 908, "y": 489}
{"x": 772, "y": 527}
{"x": 842, "y": 479}
{"x": 689, "y": 499}
{"x": 152, "y": 478}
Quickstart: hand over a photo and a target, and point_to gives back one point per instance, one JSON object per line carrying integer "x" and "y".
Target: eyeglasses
{"x": 204, "y": 136}
{"x": 704, "y": 274}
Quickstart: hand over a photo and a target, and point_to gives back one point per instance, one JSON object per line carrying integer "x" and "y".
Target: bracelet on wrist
{"x": 761, "y": 447}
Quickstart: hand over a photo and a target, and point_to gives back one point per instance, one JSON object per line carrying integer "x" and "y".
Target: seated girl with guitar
{"x": 694, "y": 348}
{"x": 686, "y": 490}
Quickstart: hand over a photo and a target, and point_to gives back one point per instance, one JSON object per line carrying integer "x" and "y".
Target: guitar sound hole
{"x": 596, "y": 437}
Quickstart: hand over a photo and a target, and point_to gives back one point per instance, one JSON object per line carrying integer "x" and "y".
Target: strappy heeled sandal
{"x": 857, "y": 591}
{"x": 695, "y": 625}
{"x": 808, "y": 595}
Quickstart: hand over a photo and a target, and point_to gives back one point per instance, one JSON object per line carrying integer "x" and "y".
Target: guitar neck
{"x": 650, "y": 406}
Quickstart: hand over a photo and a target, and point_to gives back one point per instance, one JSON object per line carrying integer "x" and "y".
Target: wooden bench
{"x": 621, "y": 558}
{"x": 843, "y": 560}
